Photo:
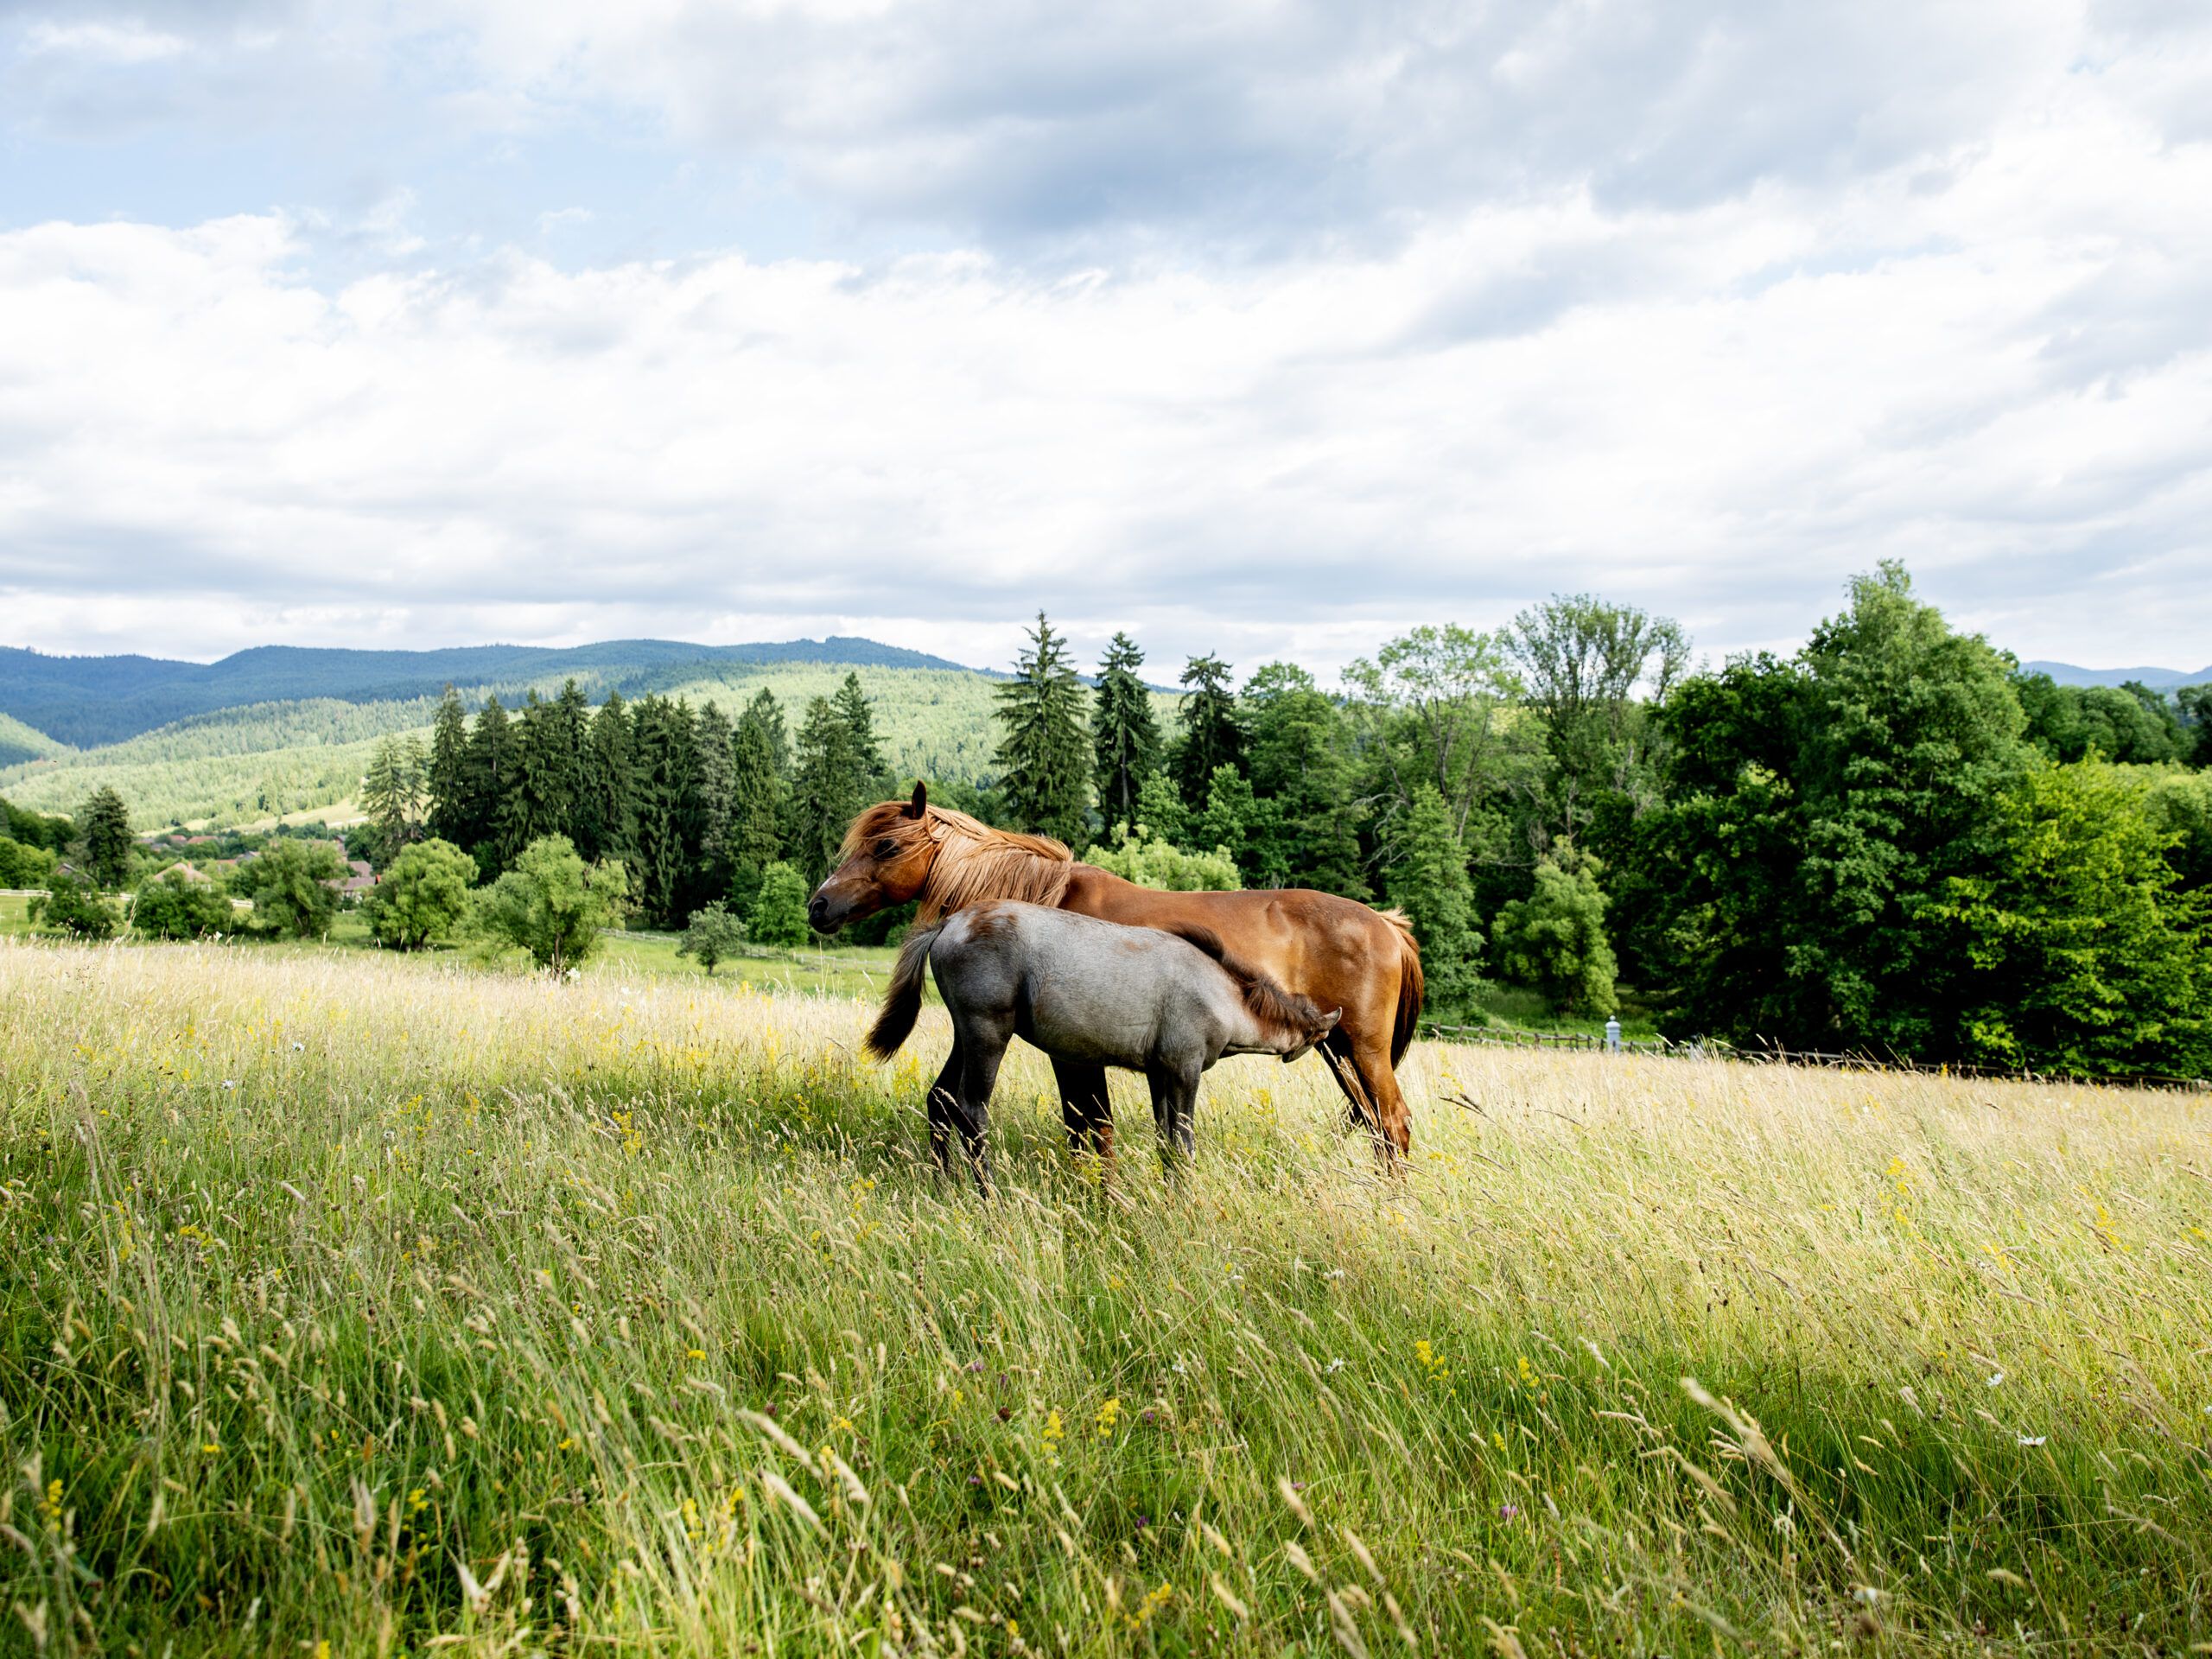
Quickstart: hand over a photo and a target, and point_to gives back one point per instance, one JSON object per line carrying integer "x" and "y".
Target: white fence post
{"x": 1613, "y": 1036}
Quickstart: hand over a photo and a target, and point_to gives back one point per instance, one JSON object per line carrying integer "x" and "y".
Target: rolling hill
{"x": 21, "y": 742}
{"x": 87, "y": 701}
{"x": 304, "y": 757}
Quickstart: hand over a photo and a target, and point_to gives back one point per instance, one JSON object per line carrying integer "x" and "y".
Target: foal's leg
{"x": 1086, "y": 1109}
{"x": 1174, "y": 1101}
{"x": 943, "y": 1094}
{"x": 980, "y": 1050}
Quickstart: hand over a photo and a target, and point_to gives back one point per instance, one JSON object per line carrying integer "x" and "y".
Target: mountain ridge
{"x": 89, "y": 702}
{"x": 2158, "y": 679}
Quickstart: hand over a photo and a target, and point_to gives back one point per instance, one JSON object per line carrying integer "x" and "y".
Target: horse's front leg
{"x": 1086, "y": 1110}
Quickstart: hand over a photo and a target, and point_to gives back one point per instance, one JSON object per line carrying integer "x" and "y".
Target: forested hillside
{"x": 20, "y": 742}
{"x": 265, "y": 759}
{"x": 89, "y": 700}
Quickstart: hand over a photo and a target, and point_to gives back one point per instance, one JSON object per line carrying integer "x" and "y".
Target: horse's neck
{"x": 1248, "y": 1034}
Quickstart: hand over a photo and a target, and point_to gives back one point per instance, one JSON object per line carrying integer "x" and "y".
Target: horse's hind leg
{"x": 1364, "y": 1071}
{"x": 1086, "y": 1110}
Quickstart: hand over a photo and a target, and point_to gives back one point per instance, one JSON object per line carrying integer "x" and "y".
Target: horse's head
{"x": 1317, "y": 1025}
{"x": 886, "y": 861}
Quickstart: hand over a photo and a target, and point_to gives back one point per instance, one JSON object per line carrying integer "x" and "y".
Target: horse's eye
{"x": 887, "y": 849}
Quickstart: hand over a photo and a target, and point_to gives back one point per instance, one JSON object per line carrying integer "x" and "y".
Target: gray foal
{"x": 1143, "y": 999}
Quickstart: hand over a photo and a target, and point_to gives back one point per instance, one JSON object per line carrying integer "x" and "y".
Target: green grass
{"x": 353, "y": 1299}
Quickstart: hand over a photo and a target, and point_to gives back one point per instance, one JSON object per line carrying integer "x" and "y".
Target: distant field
{"x": 358, "y": 1304}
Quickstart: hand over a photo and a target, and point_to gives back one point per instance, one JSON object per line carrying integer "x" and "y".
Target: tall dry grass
{"x": 354, "y": 1301}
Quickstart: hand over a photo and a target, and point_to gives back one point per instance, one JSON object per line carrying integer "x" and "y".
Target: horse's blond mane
{"x": 974, "y": 861}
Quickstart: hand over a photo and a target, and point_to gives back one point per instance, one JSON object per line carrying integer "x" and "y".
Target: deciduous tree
{"x": 553, "y": 905}
{"x": 423, "y": 898}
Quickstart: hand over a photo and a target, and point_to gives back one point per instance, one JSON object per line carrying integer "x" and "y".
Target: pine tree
{"x": 852, "y": 706}
{"x": 1429, "y": 883}
{"x": 1046, "y": 754}
{"x": 663, "y": 769}
{"x": 606, "y": 826}
{"x": 105, "y": 823}
{"x": 1126, "y": 739}
{"x": 450, "y": 812}
{"x": 827, "y": 794}
{"x": 491, "y": 763}
{"x": 1212, "y": 736}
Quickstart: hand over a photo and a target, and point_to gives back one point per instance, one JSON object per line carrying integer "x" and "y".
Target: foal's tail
{"x": 903, "y": 1001}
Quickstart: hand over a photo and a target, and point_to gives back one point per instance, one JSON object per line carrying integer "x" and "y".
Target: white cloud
{"x": 1271, "y": 327}
{"x": 114, "y": 43}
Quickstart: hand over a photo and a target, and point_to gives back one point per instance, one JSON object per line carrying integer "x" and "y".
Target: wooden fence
{"x": 1583, "y": 1042}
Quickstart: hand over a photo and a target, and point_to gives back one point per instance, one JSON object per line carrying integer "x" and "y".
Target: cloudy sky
{"x": 1266, "y": 327}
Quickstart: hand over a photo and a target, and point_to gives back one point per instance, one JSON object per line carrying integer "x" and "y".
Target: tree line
{"x": 1893, "y": 840}
{"x": 698, "y": 808}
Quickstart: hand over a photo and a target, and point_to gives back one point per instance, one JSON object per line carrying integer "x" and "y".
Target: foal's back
{"x": 1085, "y": 990}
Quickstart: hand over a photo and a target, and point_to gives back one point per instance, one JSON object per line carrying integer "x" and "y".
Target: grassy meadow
{"x": 358, "y": 1305}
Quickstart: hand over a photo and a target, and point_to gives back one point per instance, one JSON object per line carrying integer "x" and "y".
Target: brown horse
{"x": 1336, "y": 951}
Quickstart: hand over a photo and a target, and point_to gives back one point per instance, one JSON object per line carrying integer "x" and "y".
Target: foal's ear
{"x": 920, "y": 803}
{"x": 1329, "y": 1020}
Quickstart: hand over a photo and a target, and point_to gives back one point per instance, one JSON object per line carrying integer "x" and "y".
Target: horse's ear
{"x": 920, "y": 803}
{"x": 1329, "y": 1021}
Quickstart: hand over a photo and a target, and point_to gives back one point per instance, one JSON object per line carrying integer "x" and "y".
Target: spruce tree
{"x": 1046, "y": 754}
{"x": 449, "y": 814}
{"x": 1428, "y": 881}
{"x": 544, "y": 792}
{"x": 1212, "y": 736}
{"x": 105, "y": 823}
{"x": 757, "y": 792}
{"x": 606, "y": 824}
{"x": 1126, "y": 739}
{"x": 852, "y": 706}
{"x": 717, "y": 805}
{"x": 491, "y": 763}
{"x": 393, "y": 794}
{"x": 827, "y": 791}
{"x": 568, "y": 742}
{"x": 665, "y": 775}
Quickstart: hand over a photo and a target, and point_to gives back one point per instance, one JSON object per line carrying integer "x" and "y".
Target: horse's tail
{"x": 903, "y": 1001}
{"x": 1411, "y": 988}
